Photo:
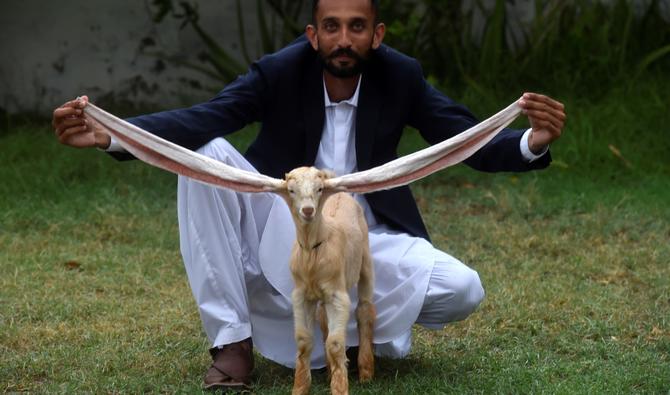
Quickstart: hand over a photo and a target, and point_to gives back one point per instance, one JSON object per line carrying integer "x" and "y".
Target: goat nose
{"x": 308, "y": 211}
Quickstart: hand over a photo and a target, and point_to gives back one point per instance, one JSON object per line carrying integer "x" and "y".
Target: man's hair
{"x": 373, "y": 3}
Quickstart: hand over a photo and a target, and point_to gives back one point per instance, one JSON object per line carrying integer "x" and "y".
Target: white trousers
{"x": 235, "y": 248}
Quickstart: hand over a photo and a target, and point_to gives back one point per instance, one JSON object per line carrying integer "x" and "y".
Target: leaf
{"x": 560, "y": 163}
{"x": 494, "y": 41}
{"x": 651, "y": 58}
{"x": 617, "y": 153}
{"x": 164, "y": 7}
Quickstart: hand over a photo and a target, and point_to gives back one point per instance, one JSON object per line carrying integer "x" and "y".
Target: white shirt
{"x": 337, "y": 149}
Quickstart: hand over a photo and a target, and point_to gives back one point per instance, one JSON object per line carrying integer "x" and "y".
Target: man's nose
{"x": 344, "y": 40}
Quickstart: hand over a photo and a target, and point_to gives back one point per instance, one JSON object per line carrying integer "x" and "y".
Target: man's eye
{"x": 358, "y": 26}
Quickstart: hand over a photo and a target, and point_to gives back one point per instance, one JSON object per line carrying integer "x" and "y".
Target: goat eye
{"x": 291, "y": 191}
{"x": 320, "y": 190}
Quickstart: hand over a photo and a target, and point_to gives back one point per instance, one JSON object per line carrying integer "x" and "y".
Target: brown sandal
{"x": 232, "y": 366}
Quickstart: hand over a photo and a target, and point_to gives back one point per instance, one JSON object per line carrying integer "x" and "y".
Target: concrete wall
{"x": 55, "y": 50}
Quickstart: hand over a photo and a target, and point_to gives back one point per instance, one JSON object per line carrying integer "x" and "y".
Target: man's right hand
{"x": 73, "y": 128}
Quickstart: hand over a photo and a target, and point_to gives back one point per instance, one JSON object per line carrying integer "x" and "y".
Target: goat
{"x": 331, "y": 254}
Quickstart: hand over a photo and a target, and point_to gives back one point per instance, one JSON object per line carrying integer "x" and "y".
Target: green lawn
{"x": 575, "y": 260}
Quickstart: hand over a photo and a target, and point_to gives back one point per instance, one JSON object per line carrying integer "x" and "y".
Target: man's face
{"x": 344, "y": 34}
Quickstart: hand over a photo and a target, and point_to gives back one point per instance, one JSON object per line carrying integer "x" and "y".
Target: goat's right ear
{"x": 329, "y": 187}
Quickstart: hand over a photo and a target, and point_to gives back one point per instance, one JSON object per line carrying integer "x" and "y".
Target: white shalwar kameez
{"x": 236, "y": 248}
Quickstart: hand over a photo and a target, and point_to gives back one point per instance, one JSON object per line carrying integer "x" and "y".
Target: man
{"x": 339, "y": 99}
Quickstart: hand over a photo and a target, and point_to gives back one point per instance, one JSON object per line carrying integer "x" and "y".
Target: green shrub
{"x": 575, "y": 47}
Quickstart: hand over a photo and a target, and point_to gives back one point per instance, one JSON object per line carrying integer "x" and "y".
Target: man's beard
{"x": 355, "y": 66}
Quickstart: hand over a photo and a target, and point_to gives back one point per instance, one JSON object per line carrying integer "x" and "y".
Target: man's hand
{"x": 73, "y": 128}
{"x": 546, "y": 117}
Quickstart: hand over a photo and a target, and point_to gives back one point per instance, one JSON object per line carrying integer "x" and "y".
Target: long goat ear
{"x": 171, "y": 157}
{"x": 328, "y": 189}
{"x": 406, "y": 169}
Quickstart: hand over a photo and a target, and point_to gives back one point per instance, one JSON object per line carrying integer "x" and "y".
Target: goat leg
{"x": 337, "y": 311}
{"x": 303, "y": 315}
{"x": 323, "y": 323}
{"x": 365, "y": 318}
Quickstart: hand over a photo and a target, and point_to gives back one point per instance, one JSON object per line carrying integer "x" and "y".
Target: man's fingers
{"x": 546, "y": 120}
{"x": 538, "y": 106}
{"x": 64, "y": 123}
{"x": 62, "y": 112}
{"x": 79, "y": 102}
{"x": 529, "y": 96}
{"x": 69, "y": 132}
{"x": 70, "y": 109}
{"x": 69, "y": 122}
{"x": 546, "y": 103}
{"x": 534, "y": 101}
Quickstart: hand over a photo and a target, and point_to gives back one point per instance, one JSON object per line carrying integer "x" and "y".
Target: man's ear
{"x": 378, "y": 36}
{"x": 310, "y": 32}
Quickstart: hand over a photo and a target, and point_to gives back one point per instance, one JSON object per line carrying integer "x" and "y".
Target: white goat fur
{"x": 330, "y": 255}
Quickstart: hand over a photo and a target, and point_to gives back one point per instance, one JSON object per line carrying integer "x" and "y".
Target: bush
{"x": 576, "y": 47}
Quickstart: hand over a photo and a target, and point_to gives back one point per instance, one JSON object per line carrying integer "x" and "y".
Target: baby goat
{"x": 330, "y": 255}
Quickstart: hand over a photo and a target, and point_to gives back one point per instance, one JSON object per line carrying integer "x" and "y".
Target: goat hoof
{"x": 365, "y": 375}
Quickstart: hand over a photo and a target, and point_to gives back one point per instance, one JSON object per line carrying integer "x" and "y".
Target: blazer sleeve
{"x": 437, "y": 117}
{"x": 237, "y": 105}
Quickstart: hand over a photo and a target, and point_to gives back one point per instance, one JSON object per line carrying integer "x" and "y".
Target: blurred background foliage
{"x": 576, "y": 47}
{"x": 607, "y": 61}
{"x": 279, "y": 22}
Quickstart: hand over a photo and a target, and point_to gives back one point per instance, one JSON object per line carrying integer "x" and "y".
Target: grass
{"x": 575, "y": 261}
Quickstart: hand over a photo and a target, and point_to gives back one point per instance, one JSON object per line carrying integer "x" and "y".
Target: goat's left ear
{"x": 282, "y": 191}
{"x": 328, "y": 186}
{"x": 326, "y": 175}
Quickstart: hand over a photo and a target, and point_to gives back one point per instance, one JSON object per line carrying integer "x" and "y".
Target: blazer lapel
{"x": 367, "y": 117}
{"x": 313, "y": 108}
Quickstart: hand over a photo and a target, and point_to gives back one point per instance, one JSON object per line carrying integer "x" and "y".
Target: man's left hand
{"x": 547, "y": 118}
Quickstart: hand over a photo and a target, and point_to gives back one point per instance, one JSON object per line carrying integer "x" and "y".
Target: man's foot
{"x": 231, "y": 367}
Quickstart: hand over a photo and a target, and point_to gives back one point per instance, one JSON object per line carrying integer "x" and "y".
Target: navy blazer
{"x": 284, "y": 91}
